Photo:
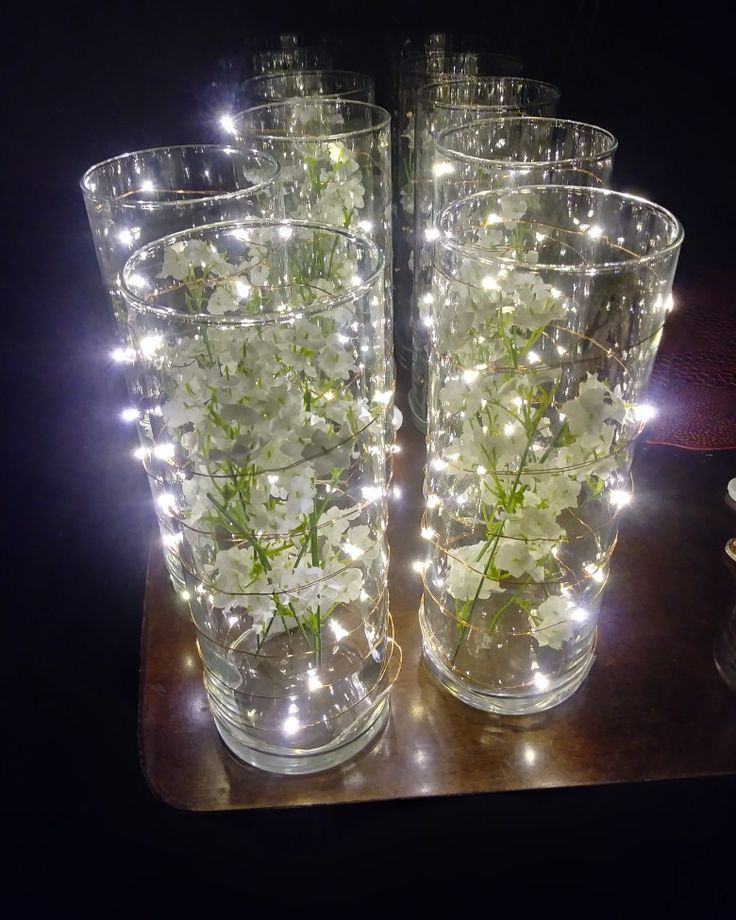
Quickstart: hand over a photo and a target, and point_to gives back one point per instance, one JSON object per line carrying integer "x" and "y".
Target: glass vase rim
{"x": 334, "y": 101}
{"x": 451, "y": 154}
{"x": 672, "y": 246}
{"x": 309, "y": 46}
{"x": 364, "y": 78}
{"x": 410, "y": 59}
{"x": 92, "y": 195}
{"x": 351, "y": 293}
{"x": 424, "y": 92}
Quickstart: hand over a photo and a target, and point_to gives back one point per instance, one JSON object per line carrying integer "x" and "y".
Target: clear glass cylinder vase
{"x": 491, "y": 153}
{"x": 140, "y": 197}
{"x": 335, "y": 158}
{"x": 416, "y": 71}
{"x": 330, "y": 84}
{"x": 260, "y": 350}
{"x": 548, "y": 307}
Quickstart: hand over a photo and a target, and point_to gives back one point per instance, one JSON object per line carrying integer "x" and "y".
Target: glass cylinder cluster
{"x": 548, "y": 304}
{"x": 261, "y": 354}
{"x": 140, "y": 197}
{"x": 495, "y": 152}
{"x": 279, "y": 87}
{"x": 415, "y": 72}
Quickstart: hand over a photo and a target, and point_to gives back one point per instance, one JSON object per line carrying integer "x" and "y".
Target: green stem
{"x": 494, "y": 543}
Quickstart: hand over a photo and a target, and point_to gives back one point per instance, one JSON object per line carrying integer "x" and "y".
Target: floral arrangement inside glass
{"x": 548, "y": 304}
{"x": 260, "y": 350}
{"x": 335, "y": 159}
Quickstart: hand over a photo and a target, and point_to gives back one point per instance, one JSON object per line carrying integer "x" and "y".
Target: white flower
{"x": 300, "y": 500}
{"x": 333, "y": 524}
{"x": 534, "y": 305}
{"x": 594, "y": 405}
{"x": 334, "y": 360}
{"x": 533, "y": 523}
{"x": 555, "y": 626}
{"x": 513, "y": 556}
{"x": 466, "y": 578}
{"x": 559, "y": 491}
{"x": 222, "y": 301}
{"x": 513, "y": 207}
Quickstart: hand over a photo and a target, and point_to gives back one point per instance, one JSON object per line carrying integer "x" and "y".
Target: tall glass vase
{"x": 335, "y": 158}
{"x": 279, "y": 87}
{"x": 260, "y": 344}
{"x": 548, "y": 306}
{"x": 491, "y": 153}
{"x": 139, "y": 197}
{"x": 415, "y": 72}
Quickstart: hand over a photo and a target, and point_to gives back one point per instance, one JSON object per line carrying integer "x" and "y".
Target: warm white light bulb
{"x": 620, "y": 498}
{"x": 291, "y": 725}
{"x": 227, "y": 123}
{"x": 164, "y": 451}
{"x": 644, "y": 412}
{"x": 166, "y": 502}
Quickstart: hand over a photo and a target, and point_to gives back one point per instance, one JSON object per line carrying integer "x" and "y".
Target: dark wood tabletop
{"x": 652, "y": 708}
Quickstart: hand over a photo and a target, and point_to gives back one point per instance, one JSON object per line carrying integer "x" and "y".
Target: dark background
{"x": 87, "y": 83}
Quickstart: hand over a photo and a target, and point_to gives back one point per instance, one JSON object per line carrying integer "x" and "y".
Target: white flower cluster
{"x": 270, "y": 423}
{"x": 529, "y": 437}
{"x": 322, "y": 178}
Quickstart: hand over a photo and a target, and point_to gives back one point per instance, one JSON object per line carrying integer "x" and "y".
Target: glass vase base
{"x": 506, "y": 705}
{"x": 295, "y": 764}
{"x": 177, "y": 579}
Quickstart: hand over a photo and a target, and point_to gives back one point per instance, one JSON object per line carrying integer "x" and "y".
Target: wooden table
{"x": 653, "y": 706}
